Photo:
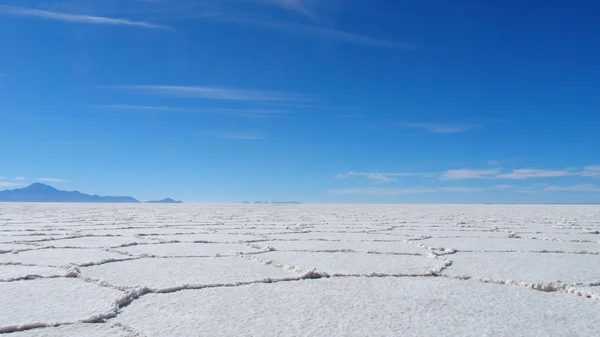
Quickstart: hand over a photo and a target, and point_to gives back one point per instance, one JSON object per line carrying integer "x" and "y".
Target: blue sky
{"x": 329, "y": 101}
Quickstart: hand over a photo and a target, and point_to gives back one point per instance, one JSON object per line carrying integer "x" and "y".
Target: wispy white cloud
{"x": 496, "y": 173}
{"x": 381, "y": 191}
{"x": 138, "y": 107}
{"x": 494, "y": 163}
{"x": 218, "y": 93}
{"x": 491, "y": 173}
{"x": 249, "y": 113}
{"x": 439, "y": 128}
{"x": 20, "y": 178}
{"x": 532, "y": 173}
{"x": 78, "y": 18}
{"x": 51, "y": 180}
{"x": 573, "y": 188}
{"x": 469, "y": 174}
{"x": 235, "y": 135}
{"x": 315, "y": 32}
{"x": 591, "y": 171}
{"x": 380, "y": 177}
{"x": 343, "y": 36}
{"x": 297, "y": 6}
{"x": 9, "y": 184}
{"x": 401, "y": 191}
{"x": 333, "y": 34}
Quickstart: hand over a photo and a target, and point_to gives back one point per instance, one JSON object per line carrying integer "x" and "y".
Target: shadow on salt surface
{"x": 76, "y": 330}
{"x": 176, "y": 272}
{"x": 9, "y": 247}
{"x": 94, "y": 242}
{"x": 507, "y": 244}
{"x": 139, "y": 231}
{"x": 188, "y": 249}
{"x": 29, "y": 238}
{"x": 338, "y": 236}
{"x": 352, "y": 263}
{"x": 567, "y": 237}
{"x": 213, "y": 237}
{"x": 51, "y": 301}
{"x": 361, "y": 247}
{"x": 60, "y": 257}
{"x": 364, "y": 307}
{"x": 448, "y": 233}
{"x": 526, "y": 267}
{"x": 19, "y": 272}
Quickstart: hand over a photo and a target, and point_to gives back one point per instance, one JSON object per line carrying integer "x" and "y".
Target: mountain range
{"x": 39, "y": 192}
{"x": 164, "y": 201}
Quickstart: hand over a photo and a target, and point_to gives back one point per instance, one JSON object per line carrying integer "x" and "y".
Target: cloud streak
{"x": 51, "y": 180}
{"x": 574, "y": 188}
{"x": 403, "y": 191}
{"x": 9, "y": 184}
{"x": 216, "y": 93}
{"x": 469, "y": 174}
{"x": 235, "y": 135}
{"x": 316, "y": 32}
{"x": 531, "y": 173}
{"x": 518, "y": 174}
{"x": 491, "y": 173}
{"x": 76, "y": 18}
{"x": 247, "y": 113}
{"x": 239, "y": 136}
{"x": 380, "y": 177}
{"x": 138, "y": 107}
{"x": 439, "y": 128}
{"x": 296, "y": 6}
{"x": 591, "y": 171}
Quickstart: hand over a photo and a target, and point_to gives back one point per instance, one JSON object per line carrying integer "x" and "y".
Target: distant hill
{"x": 164, "y": 201}
{"x": 43, "y": 193}
{"x": 273, "y": 203}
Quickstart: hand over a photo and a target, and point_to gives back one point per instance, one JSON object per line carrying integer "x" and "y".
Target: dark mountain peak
{"x": 165, "y": 201}
{"x": 39, "y": 192}
{"x": 40, "y": 187}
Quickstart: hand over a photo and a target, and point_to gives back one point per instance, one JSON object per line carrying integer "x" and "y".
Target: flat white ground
{"x": 190, "y": 270}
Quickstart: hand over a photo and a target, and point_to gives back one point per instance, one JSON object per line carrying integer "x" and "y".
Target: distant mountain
{"x": 43, "y": 193}
{"x": 164, "y": 201}
{"x": 273, "y": 203}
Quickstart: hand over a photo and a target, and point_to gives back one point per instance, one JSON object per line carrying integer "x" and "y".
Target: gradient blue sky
{"x": 321, "y": 101}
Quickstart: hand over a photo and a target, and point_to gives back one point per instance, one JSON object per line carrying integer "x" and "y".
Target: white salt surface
{"x": 385, "y": 278}
{"x": 9, "y": 247}
{"x": 338, "y": 236}
{"x": 188, "y": 249}
{"x": 75, "y": 330}
{"x": 169, "y": 273}
{"x": 210, "y": 237}
{"x": 14, "y": 237}
{"x": 364, "y": 247}
{"x": 364, "y": 307}
{"x": 352, "y": 263}
{"x": 526, "y": 267}
{"x": 52, "y": 301}
{"x": 61, "y": 257}
{"x": 12, "y": 272}
{"x": 506, "y": 244}
{"x": 94, "y": 242}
